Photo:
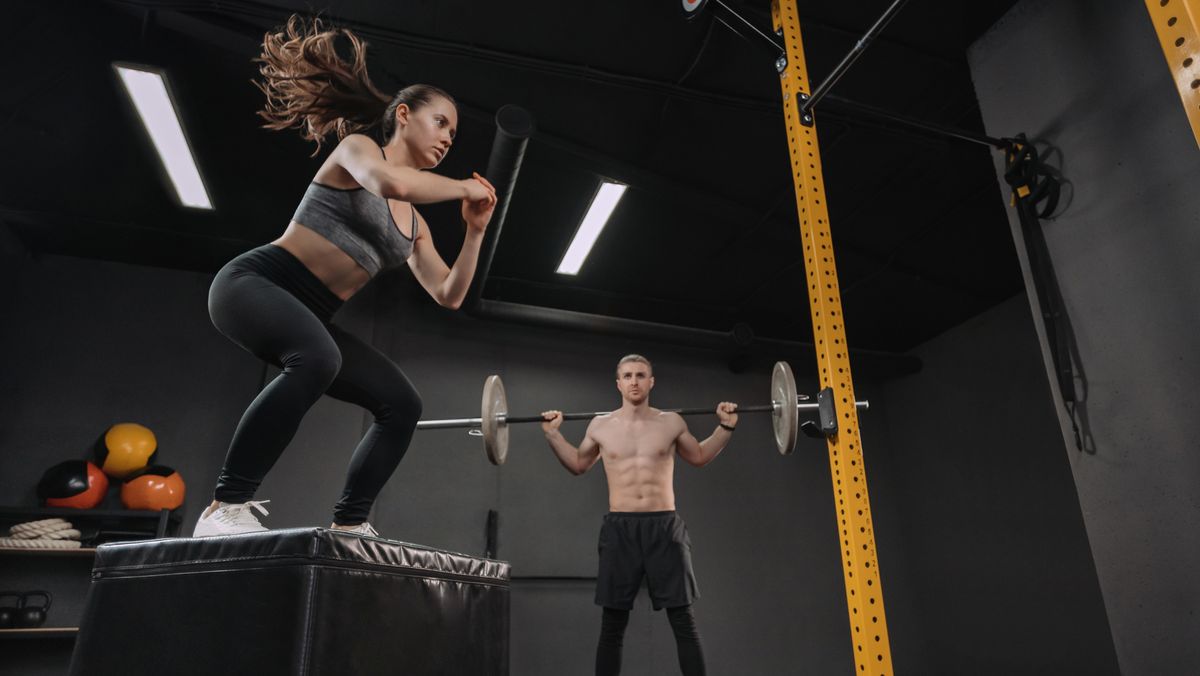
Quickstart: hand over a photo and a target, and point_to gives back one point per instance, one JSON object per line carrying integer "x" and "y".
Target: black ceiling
{"x": 686, "y": 112}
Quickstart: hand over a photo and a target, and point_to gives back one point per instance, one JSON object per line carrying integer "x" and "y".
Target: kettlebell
{"x": 31, "y": 615}
{"x": 8, "y": 614}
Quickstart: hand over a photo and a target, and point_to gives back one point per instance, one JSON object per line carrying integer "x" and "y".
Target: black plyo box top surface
{"x": 290, "y": 547}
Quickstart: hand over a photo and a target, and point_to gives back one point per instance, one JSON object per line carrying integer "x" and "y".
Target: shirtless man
{"x": 642, "y": 536}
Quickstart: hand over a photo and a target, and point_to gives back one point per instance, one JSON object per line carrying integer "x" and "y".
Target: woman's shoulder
{"x": 354, "y": 154}
{"x": 359, "y": 141}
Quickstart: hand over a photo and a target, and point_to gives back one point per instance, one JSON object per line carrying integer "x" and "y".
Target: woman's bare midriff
{"x": 334, "y": 267}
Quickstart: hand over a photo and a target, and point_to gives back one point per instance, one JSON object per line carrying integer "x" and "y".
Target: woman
{"x": 356, "y": 219}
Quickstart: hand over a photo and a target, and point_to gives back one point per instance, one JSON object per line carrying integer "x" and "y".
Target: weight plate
{"x": 494, "y": 428}
{"x": 784, "y": 416}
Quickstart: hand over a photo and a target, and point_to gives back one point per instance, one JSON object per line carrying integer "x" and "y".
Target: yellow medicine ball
{"x": 125, "y": 448}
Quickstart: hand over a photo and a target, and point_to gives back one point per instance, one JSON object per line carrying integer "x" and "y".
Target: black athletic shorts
{"x": 650, "y": 545}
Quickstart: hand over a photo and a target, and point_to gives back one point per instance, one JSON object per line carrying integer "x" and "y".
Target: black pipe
{"x": 859, "y": 47}
{"x": 602, "y": 324}
{"x": 491, "y": 534}
{"x": 733, "y": 345}
{"x": 514, "y": 126}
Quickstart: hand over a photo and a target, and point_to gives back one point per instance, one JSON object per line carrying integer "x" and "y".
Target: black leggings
{"x": 267, "y": 302}
{"x": 612, "y": 634}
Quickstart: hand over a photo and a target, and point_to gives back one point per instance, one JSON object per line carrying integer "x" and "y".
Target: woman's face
{"x": 429, "y": 131}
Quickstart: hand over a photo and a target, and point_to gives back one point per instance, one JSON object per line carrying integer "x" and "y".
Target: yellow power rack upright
{"x": 860, "y": 564}
{"x": 1178, "y": 25}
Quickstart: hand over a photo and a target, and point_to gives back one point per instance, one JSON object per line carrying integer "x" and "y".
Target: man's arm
{"x": 576, "y": 460}
{"x": 700, "y": 453}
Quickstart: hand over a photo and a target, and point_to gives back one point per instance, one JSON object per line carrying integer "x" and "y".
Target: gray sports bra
{"x": 358, "y": 222}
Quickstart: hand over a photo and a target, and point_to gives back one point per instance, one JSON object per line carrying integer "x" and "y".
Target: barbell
{"x": 493, "y": 422}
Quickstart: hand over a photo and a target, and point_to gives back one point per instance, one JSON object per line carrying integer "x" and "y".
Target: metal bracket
{"x": 828, "y": 414}
{"x": 806, "y": 116}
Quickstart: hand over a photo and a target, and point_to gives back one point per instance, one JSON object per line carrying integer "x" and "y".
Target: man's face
{"x": 634, "y": 381}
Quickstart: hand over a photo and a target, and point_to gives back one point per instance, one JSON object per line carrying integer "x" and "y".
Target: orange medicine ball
{"x": 158, "y": 487}
{"x": 77, "y": 484}
{"x": 125, "y": 449}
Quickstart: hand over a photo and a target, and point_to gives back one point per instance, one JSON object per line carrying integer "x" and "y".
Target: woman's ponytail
{"x": 310, "y": 87}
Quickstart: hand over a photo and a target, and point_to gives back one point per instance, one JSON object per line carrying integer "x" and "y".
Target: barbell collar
{"x": 449, "y": 423}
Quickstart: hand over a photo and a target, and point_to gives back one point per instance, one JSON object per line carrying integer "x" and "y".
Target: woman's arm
{"x": 448, "y": 285}
{"x": 360, "y": 157}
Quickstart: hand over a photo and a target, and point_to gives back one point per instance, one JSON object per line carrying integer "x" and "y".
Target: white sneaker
{"x": 230, "y": 519}
{"x": 363, "y": 528}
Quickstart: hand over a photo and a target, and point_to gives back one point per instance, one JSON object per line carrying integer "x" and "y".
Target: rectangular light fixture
{"x": 589, "y": 229}
{"x": 148, "y": 90}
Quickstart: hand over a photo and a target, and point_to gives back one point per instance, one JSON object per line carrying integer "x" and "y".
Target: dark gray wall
{"x": 985, "y": 565}
{"x": 1090, "y": 79}
{"x": 90, "y": 343}
{"x": 87, "y": 344}
{"x": 982, "y": 555}
{"x": 992, "y": 530}
{"x": 761, "y": 524}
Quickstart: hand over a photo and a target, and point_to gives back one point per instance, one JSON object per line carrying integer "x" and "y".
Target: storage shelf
{"x": 40, "y": 632}
{"x": 67, "y": 513}
{"x": 112, "y": 524}
{"x": 68, "y": 569}
{"x": 80, "y": 552}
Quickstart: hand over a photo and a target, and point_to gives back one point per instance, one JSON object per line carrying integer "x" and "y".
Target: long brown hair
{"x": 310, "y": 87}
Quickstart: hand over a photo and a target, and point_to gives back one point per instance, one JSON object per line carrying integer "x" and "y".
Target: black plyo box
{"x": 307, "y": 601}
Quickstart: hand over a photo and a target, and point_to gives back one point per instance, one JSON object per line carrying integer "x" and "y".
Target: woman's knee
{"x": 405, "y": 404}
{"x": 393, "y": 401}
{"x": 317, "y": 366}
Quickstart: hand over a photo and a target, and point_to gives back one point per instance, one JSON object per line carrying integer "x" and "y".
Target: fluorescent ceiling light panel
{"x": 148, "y": 90}
{"x": 589, "y": 230}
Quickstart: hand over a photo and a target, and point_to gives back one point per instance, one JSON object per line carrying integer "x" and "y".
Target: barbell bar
{"x": 494, "y": 420}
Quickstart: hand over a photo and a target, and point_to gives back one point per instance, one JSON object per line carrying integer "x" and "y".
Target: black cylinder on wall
{"x": 514, "y": 126}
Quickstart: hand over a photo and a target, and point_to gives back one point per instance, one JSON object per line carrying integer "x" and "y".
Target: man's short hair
{"x": 634, "y": 357}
